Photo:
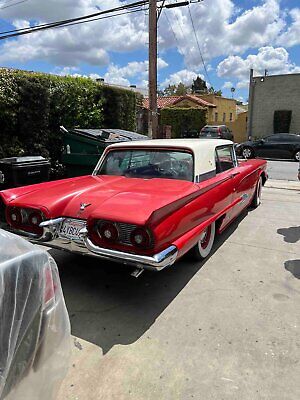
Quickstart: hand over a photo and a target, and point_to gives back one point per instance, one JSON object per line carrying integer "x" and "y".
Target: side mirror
{"x": 261, "y": 141}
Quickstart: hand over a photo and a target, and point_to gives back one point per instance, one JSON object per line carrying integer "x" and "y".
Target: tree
{"x": 170, "y": 90}
{"x": 173, "y": 90}
{"x": 211, "y": 90}
{"x": 199, "y": 85}
{"x": 181, "y": 89}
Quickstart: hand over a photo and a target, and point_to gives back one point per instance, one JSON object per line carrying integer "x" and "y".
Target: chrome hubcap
{"x": 297, "y": 156}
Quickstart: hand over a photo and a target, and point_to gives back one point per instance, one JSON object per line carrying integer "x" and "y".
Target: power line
{"x": 170, "y": 25}
{"x": 198, "y": 45}
{"x": 12, "y": 4}
{"x": 179, "y": 23}
{"x": 24, "y": 31}
{"x": 97, "y": 19}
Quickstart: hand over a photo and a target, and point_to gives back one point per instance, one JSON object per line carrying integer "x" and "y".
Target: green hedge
{"x": 183, "y": 119}
{"x": 34, "y": 105}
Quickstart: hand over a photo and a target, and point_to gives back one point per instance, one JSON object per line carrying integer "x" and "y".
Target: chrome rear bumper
{"x": 157, "y": 262}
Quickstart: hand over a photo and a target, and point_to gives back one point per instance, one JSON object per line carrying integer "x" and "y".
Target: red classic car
{"x": 146, "y": 204}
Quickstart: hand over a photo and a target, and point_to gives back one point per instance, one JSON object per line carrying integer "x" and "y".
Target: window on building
{"x": 216, "y": 117}
{"x": 224, "y": 117}
{"x": 224, "y": 159}
{"x": 231, "y": 117}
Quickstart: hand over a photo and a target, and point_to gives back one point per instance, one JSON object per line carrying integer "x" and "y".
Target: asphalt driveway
{"x": 224, "y": 329}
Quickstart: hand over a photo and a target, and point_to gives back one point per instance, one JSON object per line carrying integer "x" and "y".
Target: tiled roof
{"x": 162, "y": 102}
{"x": 167, "y": 101}
{"x": 196, "y": 99}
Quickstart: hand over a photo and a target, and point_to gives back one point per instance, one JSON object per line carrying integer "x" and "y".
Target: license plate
{"x": 70, "y": 229}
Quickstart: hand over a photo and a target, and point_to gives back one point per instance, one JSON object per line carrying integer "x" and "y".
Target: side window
{"x": 224, "y": 159}
{"x": 274, "y": 138}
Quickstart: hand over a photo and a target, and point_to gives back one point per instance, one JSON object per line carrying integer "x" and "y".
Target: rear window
{"x": 210, "y": 132}
{"x": 149, "y": 163}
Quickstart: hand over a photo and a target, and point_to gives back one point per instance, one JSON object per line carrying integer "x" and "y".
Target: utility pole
{"x": 250, "y": 105}
{"x": 153, "y": 115}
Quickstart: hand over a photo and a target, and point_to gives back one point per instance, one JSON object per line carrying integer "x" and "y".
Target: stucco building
{"x": 219, "y": 111}
{"x": 269, "y": 94}
{"x": 224, "y": 111}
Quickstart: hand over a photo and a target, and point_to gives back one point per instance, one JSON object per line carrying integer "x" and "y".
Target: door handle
{"x": 234, "y": 174}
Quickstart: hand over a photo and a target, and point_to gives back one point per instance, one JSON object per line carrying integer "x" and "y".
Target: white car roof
{"x": 203, "y": 149}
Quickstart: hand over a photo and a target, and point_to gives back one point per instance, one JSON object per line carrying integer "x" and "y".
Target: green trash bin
{"x": 83, "y": 147}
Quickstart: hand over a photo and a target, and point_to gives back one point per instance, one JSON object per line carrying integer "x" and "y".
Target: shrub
{"x": 183, "y": 119}
{"x": 34, "y": 105}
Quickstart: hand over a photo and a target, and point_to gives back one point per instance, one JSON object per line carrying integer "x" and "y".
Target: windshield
{"x": 137, "y": 163}
{"x": 210, "y": 131}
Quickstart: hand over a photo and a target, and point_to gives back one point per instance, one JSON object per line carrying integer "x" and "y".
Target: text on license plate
{"x": 71, "y": 228}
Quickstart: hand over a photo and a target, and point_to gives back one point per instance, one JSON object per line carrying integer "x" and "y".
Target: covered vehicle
{"x": 146, "y": 204}
{"x": 279, "y": 145}
{"x": 34, "y": 324}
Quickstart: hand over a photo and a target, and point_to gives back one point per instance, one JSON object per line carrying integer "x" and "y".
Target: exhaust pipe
{"x": 137, "y": 272}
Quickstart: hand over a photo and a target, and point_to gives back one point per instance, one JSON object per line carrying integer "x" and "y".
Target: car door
{"x": 225, "y": 171}
{"x": 269, "y": 147}
{"x": 290, "y": 143}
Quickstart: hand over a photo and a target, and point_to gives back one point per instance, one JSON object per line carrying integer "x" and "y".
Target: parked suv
{"x": 216, "y": 131}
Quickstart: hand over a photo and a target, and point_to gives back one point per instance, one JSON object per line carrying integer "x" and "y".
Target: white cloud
{"x": 87, "y": 43}
{"x": 227, "y": 85}
{"x": 275, "y": 60}
{"x": 242, "y": 84}
{"x": 184, "y": 76}
{"x": 220, "y": 31}
{"x": 292, "y": 35}
{"x": 137, "y": 70}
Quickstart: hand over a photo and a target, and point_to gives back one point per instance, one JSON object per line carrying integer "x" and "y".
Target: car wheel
{"x": 297, "y": 156}
{"x": 205, "y": 243}
{"x": 247, "y": 152}
{"x": 257, "y": 195}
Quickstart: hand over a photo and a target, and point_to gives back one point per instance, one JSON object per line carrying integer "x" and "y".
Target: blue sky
{"x": 234, "y": 35}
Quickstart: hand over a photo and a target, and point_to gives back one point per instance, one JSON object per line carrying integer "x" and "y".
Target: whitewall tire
{"x": 257, "y": 195}
{"x": 204, "y": 246}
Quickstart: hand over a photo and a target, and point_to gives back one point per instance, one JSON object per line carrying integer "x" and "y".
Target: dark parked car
{"x": 279, "y": 145}
{"x": 216, "y": 132}
{"x": 34, "y": 324}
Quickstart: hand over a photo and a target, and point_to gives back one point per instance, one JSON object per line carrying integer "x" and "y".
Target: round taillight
{"x": 35, "y": 218}
{"x": 15, "y": 216}
{"x": 109, "y": 232}
{"x": 141, "y": 238}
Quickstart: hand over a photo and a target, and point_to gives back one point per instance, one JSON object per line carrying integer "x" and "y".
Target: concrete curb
{"x": 281, "y": 184}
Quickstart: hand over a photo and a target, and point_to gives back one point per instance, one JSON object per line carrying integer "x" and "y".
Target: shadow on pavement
{"x": 293, "y": 266}
{"x": 107, "y": 306}
{"x": 290, "y": 235}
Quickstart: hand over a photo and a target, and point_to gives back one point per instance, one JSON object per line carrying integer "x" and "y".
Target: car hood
{"x": 131, "y": 200}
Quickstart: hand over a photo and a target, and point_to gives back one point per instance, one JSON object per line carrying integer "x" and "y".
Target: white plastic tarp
{"x": 34, "y": 323}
